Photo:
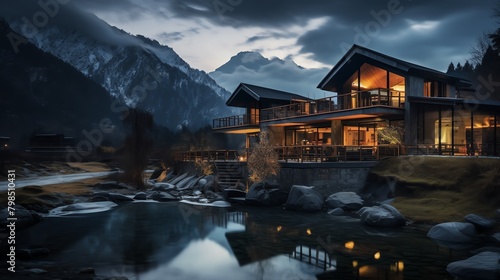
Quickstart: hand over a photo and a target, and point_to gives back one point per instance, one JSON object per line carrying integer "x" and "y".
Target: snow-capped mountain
{"x": 139, "y": 71}
{"x": 253, "y": 68}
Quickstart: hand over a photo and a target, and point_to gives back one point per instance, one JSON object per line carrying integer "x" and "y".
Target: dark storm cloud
{"x": 458, "y": 22}
{"x": 272, "y": 35}
{"x": 450, "y": 33}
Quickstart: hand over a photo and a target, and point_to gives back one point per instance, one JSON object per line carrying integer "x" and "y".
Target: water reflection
{"x": 175, "y": 241}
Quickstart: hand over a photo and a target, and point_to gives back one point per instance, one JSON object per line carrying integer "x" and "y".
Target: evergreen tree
{"x": 451, "y": 68}
{"x": 459, "y": 68}
{"x": 468, "y": 68}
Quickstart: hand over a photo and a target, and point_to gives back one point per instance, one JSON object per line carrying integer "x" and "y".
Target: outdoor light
{"x": 308, "y": 231}
{"x": 377, "y": 255}
{"x": 278, "y": 229}
{"x": 354, "y": 263}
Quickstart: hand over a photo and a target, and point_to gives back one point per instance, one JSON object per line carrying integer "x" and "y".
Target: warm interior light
{"x": 377, "y": 255}
{"x": 278, "y": 229}
{"x": 354, "y": 263}
{"x": 308, "y": 231}
{"x": 349, "y": 245}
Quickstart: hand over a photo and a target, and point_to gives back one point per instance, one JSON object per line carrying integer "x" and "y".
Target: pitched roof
{"x": 359, "y": 55}
{"x": 258, "y": 93}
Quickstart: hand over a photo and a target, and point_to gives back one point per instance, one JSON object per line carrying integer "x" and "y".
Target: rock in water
{"x": 304, "y": 198}
{"x": 381, "y": 216}
{"x": 264, "y": 193}
{"x": 480, "y": 222}
{"x": 455, "y": 232}
{"x": 336, "y": 212}
{"x": 481, "y": 266}
{"x": 348, "y": 201}
{"x": 141, "y": 196}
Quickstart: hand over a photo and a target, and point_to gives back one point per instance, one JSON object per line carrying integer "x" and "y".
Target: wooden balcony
{"x": 240, "y": 121}
{"x": 354, "y": 100}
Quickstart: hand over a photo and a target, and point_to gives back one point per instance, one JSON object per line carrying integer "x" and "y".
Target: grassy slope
{"x": 438, "y": 189}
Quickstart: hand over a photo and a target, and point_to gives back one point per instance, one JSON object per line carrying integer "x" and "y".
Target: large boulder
{"x": 163, "y": 187}
{"x": 304, "y": 198}
{"x": 265, "y": 193}
{"x": 455, "y": 232}
{"x": 348, "y": 201}
{"x": 383, "y": 215}
{"x": 484, "y": 265}
{"x": 480, "y": 222}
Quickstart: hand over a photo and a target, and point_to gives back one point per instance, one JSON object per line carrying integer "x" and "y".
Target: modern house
{"x": 370, "y": 92}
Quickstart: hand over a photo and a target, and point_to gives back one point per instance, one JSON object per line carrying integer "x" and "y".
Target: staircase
{"x": 229, "y": 173}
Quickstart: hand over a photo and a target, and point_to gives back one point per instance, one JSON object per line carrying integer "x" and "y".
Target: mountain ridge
{"x": 129, "y": 66}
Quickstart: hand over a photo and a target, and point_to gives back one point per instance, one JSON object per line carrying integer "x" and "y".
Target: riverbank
{"x": 431, "y": 189}
{"x": 424, "y": 189}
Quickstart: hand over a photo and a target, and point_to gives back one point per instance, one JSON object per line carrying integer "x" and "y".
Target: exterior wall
{"x": 337, "y": 133}
{"x": 327, "y": 178}
{"x": 414, "y": 86}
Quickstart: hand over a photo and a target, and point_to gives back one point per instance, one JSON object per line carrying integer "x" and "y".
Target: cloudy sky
{"x": 206, "y": 33}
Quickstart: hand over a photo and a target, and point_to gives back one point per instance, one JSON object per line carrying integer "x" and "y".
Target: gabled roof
{"x": 247, "y": 92}
{"x": 357, "y": 55}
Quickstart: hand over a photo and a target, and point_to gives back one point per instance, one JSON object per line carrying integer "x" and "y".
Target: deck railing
{"x": 210, "y": 156}
{"x": 354, "y": 100}
{"x": 333, "y": 153}
{"x": 234, "y": 121}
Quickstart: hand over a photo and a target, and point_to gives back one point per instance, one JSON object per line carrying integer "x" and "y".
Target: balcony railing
{"x": 210, "y": 156}
{"x": 234, "y": 121}
{"x": 354, "y": 100}
{"x": 333, "y": 153}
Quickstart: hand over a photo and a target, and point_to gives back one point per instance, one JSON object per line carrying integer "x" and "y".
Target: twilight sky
{"x": 206, "y": 33}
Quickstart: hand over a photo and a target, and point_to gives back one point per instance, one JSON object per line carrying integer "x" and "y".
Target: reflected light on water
{"x": 349, "y": 245}
{"x": 308, "y": 231}
{"x": 398, "y": 266}
{"x": 377, "y": 255}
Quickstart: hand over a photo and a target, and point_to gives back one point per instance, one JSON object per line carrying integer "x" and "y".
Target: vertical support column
{"x": 453, "y": 131}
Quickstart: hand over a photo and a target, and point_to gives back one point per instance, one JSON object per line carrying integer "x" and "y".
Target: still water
{"x": 179, "y": 241}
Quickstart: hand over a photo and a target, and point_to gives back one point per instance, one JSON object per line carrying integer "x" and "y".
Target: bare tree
{"x": 479, "y": 48}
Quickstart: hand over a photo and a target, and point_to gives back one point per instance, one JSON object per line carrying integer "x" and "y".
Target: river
{"x": 146, "y": 240}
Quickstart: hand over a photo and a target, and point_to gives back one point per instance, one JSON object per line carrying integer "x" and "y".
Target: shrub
{"x": 263, "y": 160}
